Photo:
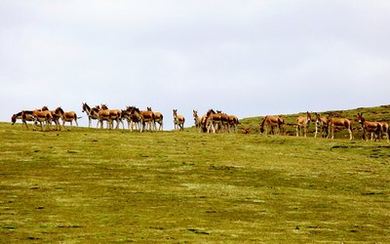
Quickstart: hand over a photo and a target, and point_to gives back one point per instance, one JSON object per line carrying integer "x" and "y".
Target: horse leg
{"x": 297, "y": 130}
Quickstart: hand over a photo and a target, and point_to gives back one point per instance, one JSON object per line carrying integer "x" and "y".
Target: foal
{"x": 178, "y": 120}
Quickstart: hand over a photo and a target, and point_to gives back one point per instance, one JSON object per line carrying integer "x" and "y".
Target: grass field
{"x": 88, "y": 185}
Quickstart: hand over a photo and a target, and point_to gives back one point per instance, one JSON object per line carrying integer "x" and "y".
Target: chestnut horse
{"x": 40, "y": 116}
{"x": 321, "y": 123}
{"x": 385, "y": 130}
{"x": 213, "y": 121}
{"x": 372, "y": 127}
{"x": 109, "y": 115}
{"x": 134, "y": 118}
{"x": 200, "y": 122}
{"x": 339, "y": 122}
{"x": 66, "y": 116}
{"x": 178, "y": 120}
{"x": 272, "y": 122}
{"x": 158, "y": 118}
{"x": 303, "y": 123}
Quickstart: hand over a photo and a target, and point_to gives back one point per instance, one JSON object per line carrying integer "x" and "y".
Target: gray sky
{"x": 244, "y": 57}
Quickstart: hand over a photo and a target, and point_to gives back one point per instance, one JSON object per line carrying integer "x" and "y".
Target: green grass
{"x": 88, "y": 185}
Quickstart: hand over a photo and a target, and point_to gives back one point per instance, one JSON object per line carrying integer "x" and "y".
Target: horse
{"x": 233, "y": 122}
{"x": 271, "y": 121}
{"x": 178, "y": 120}
{"x": 224, "y": 121}
{"x": 213, "y": 121}
{"x": 92, "y": 113}
{"x": 67, "y": 116}
{"x": 55, "y": 117}
{"x": 40, "y": 116}
{"x": 200, "y": 122}
{"x": 109, "y": 115}
{"x": 322, "y": 123}
{"x": 28, "y": 117}
{"x": 303, "y": 124}
{"x": 134, "y": 118}
{"x": 385, "y": 130}
{"x": 372, "y": 127}
{"x": 158, "y": 118}
{"x": 339, "y": 122}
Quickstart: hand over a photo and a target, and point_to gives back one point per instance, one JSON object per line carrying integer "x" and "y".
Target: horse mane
{"x": 60, "y": 110}
{"x": 44, "y": 108}
{"x": 104, "y": 106}
{"x": 86, "y": 106}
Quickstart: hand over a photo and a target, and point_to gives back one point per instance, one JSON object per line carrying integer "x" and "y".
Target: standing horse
{"x": 374, "y": 128}
{"x": 322, "y": 123}
{"x": 200, "y": 122}
{"x": 224, "y": 121}
{"x": 233, "y": 122}
{"x": 135, "y": 118}
{"x": 55, "y": 117}
{"x": 213, "y": 121}
{"x": 339, "y": 122}
{"x": 385, "y": 130}
{"x": 272, "y": 122}
{"x": 303, "y": 124}
{"x": 92, "y": 113}
{"x": 158, "y": 118}
{"x": 66, "y": 116}
{"x": 40, "y": 116}
{"x": 109, "y": 115}
{"x": 178, "y": 120}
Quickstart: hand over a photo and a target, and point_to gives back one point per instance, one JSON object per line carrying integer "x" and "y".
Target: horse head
{"x": 44, "y": 108}
{"x": 13, "y": 118}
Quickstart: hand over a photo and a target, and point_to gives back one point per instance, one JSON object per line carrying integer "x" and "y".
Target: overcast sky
{"x": 243, "y": 57}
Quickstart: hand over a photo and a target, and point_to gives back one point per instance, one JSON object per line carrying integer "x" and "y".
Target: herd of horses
{"x": 211, "y": 122}
{"x": 326, "y": 125}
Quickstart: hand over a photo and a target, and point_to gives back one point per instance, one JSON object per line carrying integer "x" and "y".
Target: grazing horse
{"x": 92, "y": 113}
{"x": 66, "y": 116}
{"x": 178, "y": 120}
{"x": 272, "y": 122}
{"x": 339, "y": 122}
{"x": 303, "y": 124}
{"x": 372, "y": 127}
{"x": 28, "y": 116}
{"x": 158, "y": 118}
{"x": 321, "y": 122}
{"x": 233, "y": 122}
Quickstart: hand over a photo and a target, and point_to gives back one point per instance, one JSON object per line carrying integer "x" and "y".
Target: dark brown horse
{"x": 28, "y": 116}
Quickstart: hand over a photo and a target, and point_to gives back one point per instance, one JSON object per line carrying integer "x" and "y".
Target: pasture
{"x": 115, "y": 185}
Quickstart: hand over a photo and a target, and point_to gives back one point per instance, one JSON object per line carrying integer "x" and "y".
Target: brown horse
{"x": 40, "y": 116}
{"x": 372, "y": 127}
{"x": 225, "y": 125}
{"x": 321, "y": 123}
{"x": 213, "y": 121}
{"x": 272, "y": 122}
{"x": 233, "y": 122}
{"x": 303, "y": 123}
{"x": 178, "y": 120}
{"x": 66, "y": 116}
{"x": 109, "y": 115}
{"x": 134, "y": 118}
{"x": 385, "y": 130}
{"x": 339, "y": 122}
{"x": 158, "y": 118}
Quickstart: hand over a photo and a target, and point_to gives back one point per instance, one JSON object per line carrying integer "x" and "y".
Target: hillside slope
{"x": 90, "y": 185}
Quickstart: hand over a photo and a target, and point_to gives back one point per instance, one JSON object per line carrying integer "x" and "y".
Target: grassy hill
{"x": 99, "y": 185}
{"x": 380, "y": 113}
